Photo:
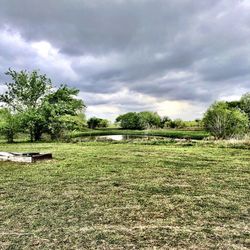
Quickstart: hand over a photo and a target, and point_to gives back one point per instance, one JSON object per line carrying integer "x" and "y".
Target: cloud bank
{"x": 175, "y": 57}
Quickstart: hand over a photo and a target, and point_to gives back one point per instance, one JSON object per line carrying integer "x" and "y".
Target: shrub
{"x": 95, "y": 122}
{"x": 9, "y": 124}
{"x": 223, "y": 122}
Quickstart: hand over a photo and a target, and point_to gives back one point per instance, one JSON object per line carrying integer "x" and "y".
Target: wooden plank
{"x": 41, "y": 157}
{"x": 24, "y": 157}
{"x": 16, "y": 158}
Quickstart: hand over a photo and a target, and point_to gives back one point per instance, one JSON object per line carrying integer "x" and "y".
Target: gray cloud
{"x": 179, "y": 50}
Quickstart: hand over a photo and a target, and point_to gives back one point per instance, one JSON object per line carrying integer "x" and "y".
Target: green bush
{"x": 224, "y": 122}
{"x": 95, "y": 122}
{"x": 9, "y": 124}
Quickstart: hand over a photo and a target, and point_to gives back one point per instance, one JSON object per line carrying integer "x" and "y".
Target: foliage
{"x": 142, "y": 120}
{"x": 130, "y": 120}
{"x": 224, "y": 122}
{"x": 180, "y": 124}
{"x": 72, "y": 123}
{"x": 39, "y": 106}
{"x": 95, "y": 122}
{"x": 245, "y": 104}
{"x": 149, "y": 119}
{"x": 9, "y": 124}
{"x": 59, "y": 104}
{"x": 27, "y": 90}
{"x": 164, "y": 121}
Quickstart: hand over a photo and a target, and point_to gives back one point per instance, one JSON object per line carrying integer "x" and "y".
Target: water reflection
{"x": 121, "y": 137}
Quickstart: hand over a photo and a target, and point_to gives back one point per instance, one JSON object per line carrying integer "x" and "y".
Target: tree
{"x": 104, "y": 123}
{"x": 25, "y": 95}
{"x": 27, "y": 90}
{"x": 142, "y": 120}
{"x": 39, "y": 106}
{"x": 130, "y": 120}
{"x": 58, "y": 104}
{"x": 95, "y": 122}
{"x": 223, "y": 122}
{"x": 149, "y": 120}
{"x": 165, "y": 121}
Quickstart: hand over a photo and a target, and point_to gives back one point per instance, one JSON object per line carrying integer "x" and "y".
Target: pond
{"x": 120, "y": 137}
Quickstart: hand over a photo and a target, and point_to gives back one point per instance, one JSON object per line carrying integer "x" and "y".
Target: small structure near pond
{"x": 24, "y": 157}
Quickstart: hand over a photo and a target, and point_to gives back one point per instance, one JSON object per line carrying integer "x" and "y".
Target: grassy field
{"x": 126, "y": 196}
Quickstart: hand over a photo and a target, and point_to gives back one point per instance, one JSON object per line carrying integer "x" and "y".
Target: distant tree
{"x": 164, "y": 121}
{"x": 95, "y": 122}
{"x": 142, "y": 120}
{"x": 149, "y": 119}
{"x": 223, "y": 122}
{"x": 104, "y": 123}
{"x": 179, "y": 123}
{"x": 130, "y": 120}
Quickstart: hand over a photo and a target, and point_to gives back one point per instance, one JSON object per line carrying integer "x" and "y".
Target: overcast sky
{"x": 171, "y": 56}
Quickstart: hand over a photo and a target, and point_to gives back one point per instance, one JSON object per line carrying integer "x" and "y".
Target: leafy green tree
{"x": 130, "y": 120}
{"x": 223, "y": 122}
{"x": 31, "y": 96}
{"x": 25, "y": 95}
{"x": 95, "y": 122}
{"x": 149, "y": 120}
{"x": 77, "y": 122}
{"x": 56, "y": 105}
{"x": 9, "y": 124}
{"x": 104, "y": 123}
{"x": 165, "y": 121}
{"x": 142, "y": 120}
{"x": 26, "y": 91}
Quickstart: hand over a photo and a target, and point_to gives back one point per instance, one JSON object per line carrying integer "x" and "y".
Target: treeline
{"x": 151, "y": 120}
{"x": 222, "y": 119}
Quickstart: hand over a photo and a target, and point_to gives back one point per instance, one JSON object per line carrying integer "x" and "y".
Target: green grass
{"x": 171, "y": 133}
{"x": 126, "y": 196}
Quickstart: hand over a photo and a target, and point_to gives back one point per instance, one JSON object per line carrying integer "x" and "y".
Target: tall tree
{"x": 25, "y": 95}
{"x": 39, "y": 106}
{"x": 26, "y": 91}
{"x": 60, "y": 103}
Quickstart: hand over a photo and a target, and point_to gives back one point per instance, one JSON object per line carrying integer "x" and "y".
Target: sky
{"x": 175, "y": 57}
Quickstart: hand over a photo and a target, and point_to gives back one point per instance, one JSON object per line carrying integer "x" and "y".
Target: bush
{"x": 223, "y": 122}
{"x": 130, "y": 120}
{"x": 149, "y": 120}
{"x": 95, "y": 122}
{"x": 142, "y": 120}
{"x": 245, "y": 104}
{"x": 9, "y": 124}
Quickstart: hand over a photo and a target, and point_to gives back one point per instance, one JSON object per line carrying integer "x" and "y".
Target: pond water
{"x": 120, "y": 137}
